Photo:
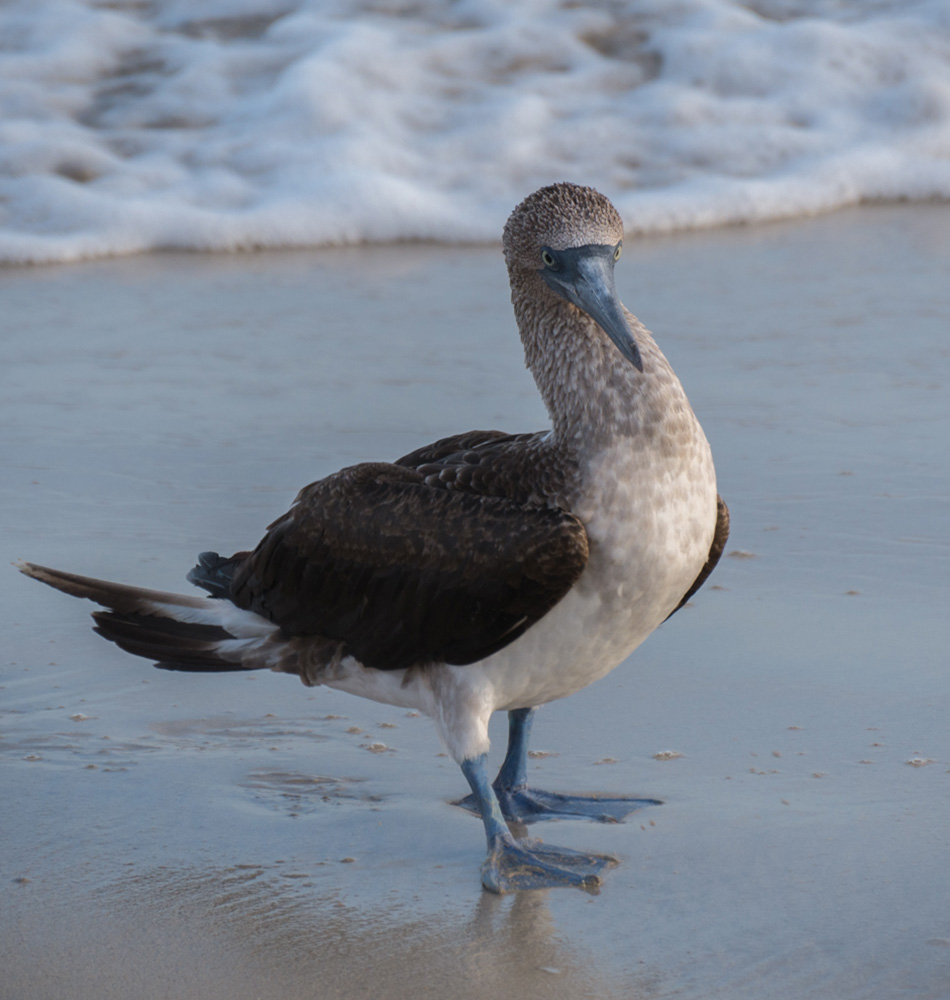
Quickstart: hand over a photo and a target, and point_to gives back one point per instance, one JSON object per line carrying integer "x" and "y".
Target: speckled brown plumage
{"x": 561, "y": 216}
{"x": 520, "y": 467}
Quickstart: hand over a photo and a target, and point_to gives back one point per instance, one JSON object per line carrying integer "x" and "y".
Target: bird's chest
{"x": 650, "y": 514}
{"x": 650, "y": 518}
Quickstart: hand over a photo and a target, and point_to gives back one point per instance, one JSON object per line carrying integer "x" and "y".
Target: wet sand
{"x": 240, "y": 836}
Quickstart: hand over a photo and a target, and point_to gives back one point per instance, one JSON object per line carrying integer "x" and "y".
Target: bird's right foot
{"x": 514, "y": 865}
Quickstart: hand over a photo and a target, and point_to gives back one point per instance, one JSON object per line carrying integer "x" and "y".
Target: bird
{"x": 488, "y": 571}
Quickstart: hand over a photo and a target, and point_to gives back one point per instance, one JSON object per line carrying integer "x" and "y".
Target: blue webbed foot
{"x": 526, "y": 864}
{"x": 531, "y": 805}
{"x": 514, "y": 865}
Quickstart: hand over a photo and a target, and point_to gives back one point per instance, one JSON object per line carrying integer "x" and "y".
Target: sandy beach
{"x": 182, "y": 836}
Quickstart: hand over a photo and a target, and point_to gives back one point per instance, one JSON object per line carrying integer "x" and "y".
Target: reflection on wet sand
{"x": 250, "y": 931}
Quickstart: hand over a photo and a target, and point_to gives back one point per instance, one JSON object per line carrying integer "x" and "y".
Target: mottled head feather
{"x": 559, "y": 216}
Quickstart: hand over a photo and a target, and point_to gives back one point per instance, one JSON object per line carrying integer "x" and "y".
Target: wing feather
{"x": 402, "y": 573}
{"x": 520, "y": 467}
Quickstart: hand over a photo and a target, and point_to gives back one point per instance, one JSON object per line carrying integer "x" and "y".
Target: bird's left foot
{"x": 513, "y": 865}
{"x": 530, "y": 805}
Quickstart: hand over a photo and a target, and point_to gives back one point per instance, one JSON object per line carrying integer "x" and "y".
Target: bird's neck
{"x": 593, "y": 394}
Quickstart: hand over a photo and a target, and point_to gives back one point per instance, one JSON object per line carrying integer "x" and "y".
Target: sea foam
{"x": 233, "y": 124}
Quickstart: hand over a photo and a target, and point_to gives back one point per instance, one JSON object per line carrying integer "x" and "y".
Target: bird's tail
{"x": 178, "y": 631}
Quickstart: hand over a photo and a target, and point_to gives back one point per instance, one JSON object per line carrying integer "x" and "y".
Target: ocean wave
{"x": 240, "y": 124}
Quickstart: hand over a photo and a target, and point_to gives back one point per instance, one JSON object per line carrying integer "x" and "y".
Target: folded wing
{"x": 401, "y": 573}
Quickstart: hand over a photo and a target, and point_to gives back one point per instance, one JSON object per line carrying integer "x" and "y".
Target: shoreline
{"x": 672, "y": 230}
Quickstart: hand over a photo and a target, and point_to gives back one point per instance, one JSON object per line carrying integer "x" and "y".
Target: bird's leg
{"x": 525, "y": 864}
{"x": 520, "y": 803}
{"x": 514, "y": 769}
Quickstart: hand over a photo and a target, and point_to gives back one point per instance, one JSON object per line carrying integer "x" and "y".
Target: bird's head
{"x": 571, "y": 236}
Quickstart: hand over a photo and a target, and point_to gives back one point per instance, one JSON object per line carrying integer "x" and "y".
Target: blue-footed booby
{"x": 488, "y": 571}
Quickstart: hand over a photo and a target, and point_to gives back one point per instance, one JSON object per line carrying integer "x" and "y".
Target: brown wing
{"x": 715, "y": 551}
{"x": 402, "y": 573}
{"x": 468, "y": 448}
{"x": 491, "y": 463}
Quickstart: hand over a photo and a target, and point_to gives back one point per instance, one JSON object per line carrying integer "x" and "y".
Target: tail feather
{"x": 214, "y": 573}
{"x": 117, "y": 596}
{"x": 178, "y": 631}
{"x": 184, "y": 648}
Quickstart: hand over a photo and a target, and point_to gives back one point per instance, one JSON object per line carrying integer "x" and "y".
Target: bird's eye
{"x": 547, "y": 258}
{"x": 617, "y": 250}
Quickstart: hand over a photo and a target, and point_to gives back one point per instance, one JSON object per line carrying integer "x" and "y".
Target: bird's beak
{"x": 585, "y": 278}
